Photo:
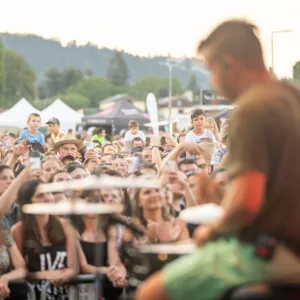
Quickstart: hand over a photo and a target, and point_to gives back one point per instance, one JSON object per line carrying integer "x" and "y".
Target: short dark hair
{"x": 187, "y": 161}
{"x": 217, "y": 171}
{"x": 98, "y": 130}
{"x": 136, "y": 139}
{"x": 12, "y": 135}
{"x": 236, "y": 38}
{"x": 197, "y": 112}
{"x": 107, "y": 145}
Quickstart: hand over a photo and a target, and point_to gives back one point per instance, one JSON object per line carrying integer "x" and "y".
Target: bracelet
{"x": 155, "y": 146}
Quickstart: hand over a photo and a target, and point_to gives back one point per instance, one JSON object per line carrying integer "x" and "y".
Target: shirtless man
{"x": 263, "y": 162}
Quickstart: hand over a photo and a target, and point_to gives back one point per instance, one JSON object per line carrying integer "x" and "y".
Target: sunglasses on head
{"x": 189, "y": 174}
{"x": 187, "y": 159}
{"x": 202, "y": 166}
{"x": 105, "y": 164}
{"x": 115, "y": 156}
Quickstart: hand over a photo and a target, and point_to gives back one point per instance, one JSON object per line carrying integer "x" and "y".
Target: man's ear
{"x": 228, "y": 63}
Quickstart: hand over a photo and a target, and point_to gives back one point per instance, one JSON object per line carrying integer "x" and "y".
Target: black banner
{"x": 210, "y": 97}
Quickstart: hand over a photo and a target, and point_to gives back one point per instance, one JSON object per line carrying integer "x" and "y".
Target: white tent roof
{"x": 67, "y": 116}
{"x": 18, "y": 114}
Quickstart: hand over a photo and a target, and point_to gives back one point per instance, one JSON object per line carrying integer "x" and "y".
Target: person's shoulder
{"x": 190, "y": 135}
{"x": 67, "y": 226}
{"x": 24, "y": 132}
{"x": 271, "y": 94}
{"x": 16, "y": 228}
{"x": 209, "y": 133}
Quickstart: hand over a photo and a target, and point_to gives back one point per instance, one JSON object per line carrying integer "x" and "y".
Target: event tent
{"x": 117, "y": 116}
{"x": 18, "y": 114}
{"x": 67, "y": 116}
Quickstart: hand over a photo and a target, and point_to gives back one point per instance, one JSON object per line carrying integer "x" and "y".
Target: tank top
{"x": 52, "y": 257}
{"x": 90, "y": 248}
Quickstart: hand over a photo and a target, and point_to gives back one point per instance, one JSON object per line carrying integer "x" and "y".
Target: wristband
{"x": 155, "y": 146}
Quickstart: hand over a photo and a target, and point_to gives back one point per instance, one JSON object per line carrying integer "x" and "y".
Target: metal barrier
{"x": 30, "y": 288}
{"x": 84, "y": 278}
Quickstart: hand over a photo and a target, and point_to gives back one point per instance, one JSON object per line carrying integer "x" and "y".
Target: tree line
{"x": 77, "y": 88}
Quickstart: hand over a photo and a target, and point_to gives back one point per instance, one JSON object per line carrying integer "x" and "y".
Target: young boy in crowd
{"x": 99, "y": 135}
{"x": 55, "y": 133}
{"x": 32, "y": 134}
{"x": 133, "y": 132}
{"x": 198, "y": 133}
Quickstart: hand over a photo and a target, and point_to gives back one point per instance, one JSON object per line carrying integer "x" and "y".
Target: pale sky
{"x": 156, "y": 26}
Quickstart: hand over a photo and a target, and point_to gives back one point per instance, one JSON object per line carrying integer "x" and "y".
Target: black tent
{"x": 117, "y": 116}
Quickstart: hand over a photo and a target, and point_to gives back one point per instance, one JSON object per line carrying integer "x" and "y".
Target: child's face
{"x": 199, "y": 122}
{"x": 34, "y": 123}
{"x": 53, "y": 128}
{"x": 134, "y": 130}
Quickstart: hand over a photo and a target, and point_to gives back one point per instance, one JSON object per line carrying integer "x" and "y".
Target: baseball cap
{"x": 54, "y": 121}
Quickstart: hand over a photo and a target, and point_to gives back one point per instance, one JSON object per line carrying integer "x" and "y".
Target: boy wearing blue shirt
{"x": 32, "y": 134}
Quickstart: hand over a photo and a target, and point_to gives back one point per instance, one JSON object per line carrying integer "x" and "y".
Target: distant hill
{"x": 44, "y": 53}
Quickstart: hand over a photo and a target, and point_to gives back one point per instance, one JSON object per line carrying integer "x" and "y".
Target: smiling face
{"x": 151, "y": 199}
{"x": 120, "y": 165}
{"x": 111, "y": 196}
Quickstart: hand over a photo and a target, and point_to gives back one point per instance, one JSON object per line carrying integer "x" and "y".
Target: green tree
{"x": 2, "y": 75}
{"x": 75, "y": 100}
{"x": 89, "y": 72}
{"x": 296, "y": 71}
{"x": 192, "y": 84}
{"x": 69, "y": 77}
{"x": 19, "y": 78}
{"x": 159, "y": 86}
{"x": 117, "y": 72}
{"x": 93, "y": 88}
{"x": 52, "y": 83}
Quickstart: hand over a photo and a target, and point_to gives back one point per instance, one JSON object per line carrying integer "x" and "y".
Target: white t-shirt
{"x": 191, "y": 137}
{"x": 129, "y": 136}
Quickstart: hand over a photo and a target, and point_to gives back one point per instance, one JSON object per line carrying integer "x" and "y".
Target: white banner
{"x": 153, "y": 112}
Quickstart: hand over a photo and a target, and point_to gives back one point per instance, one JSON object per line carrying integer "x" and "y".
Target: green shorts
{"x": 212, "y": 270}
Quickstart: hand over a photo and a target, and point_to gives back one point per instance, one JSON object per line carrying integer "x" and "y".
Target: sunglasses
{"x": 202, "y": 166}
{"x": 115, "y": 156}
{"x": 105, "y": 164}
{"x": 187, "y": 159}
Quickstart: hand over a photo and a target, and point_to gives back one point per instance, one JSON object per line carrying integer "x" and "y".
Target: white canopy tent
{"x": 67, "y": 116}
{"x": 18, "y": 114}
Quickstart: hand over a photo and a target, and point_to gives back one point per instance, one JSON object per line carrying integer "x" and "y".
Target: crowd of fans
{"x": 190, "y": 166}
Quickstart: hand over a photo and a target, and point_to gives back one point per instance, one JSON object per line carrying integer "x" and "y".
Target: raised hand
{"x": 21, "y": 148}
